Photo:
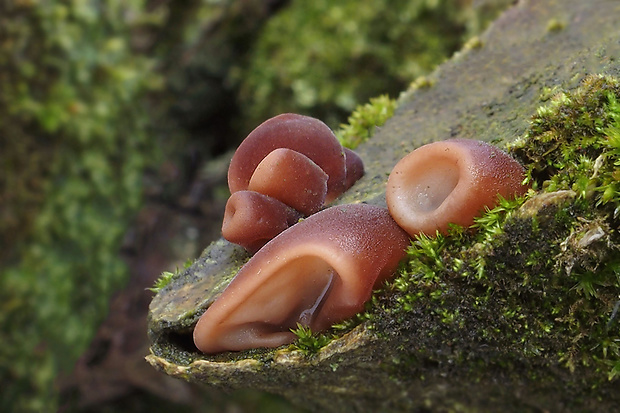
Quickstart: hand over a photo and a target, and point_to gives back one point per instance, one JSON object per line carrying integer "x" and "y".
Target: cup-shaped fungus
{"x": 291, "y": 177}
{"x": 316, "y": 273}
{"x": 450, "y": 181}
{"x": 302, "y": 134}
{"x": 251, "y": 219}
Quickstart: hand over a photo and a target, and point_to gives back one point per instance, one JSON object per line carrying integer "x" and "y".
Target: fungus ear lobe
{"x": 303, "y": 134}
{"x": 355, "y": 167}
{"x": 318, "y": 272}
{"x": 265, "y": 317}
{"x": 450, "y": 181}
{"x": 252, "y": 219}
{"x": 292, "y": 178}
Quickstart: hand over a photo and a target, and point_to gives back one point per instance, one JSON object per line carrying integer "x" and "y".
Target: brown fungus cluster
{"x": 322, "y": 270}
{"x": 290, "y": 166}
{"x": 317, "y": 273}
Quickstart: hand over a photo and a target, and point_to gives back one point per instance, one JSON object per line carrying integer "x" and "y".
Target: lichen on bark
{"x": 517, "y": 314}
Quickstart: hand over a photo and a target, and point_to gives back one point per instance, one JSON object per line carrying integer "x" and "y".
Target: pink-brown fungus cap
{"x": 292, "y": 178}
{"x": 302, "y": 134}
{"x": 355, "y": 167}
{"x": 317, "y": 273}
{"x": 450, "y": 181}
{"x": 251, "y": 219}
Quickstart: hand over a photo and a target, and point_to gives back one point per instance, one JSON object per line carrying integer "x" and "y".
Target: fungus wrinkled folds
{"x": 317, "y": 273}
{"x": 450, "y": 182}
{"x": 302, "y": 134}
{"x": 292, "y": 178}
{"x": 294, "y": 159}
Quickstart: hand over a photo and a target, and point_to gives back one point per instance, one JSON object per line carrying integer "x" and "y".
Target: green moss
{"x": 364, "y": 120}
{"x": 473, "y": 43}
{"x": 308, "y": 342}
{"x": 555, "y": 25}
{"x": 166, "y": 277}
{"x": 536, "y": 278}
{"x": 163, "y": 280}
{"x": 421, "y": 82}
{"x": 529, "y": 291}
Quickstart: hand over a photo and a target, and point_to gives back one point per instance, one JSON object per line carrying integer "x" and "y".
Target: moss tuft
{"x": 555, "y": 25}
{"x": 364, "y": 120}
{"x": 166, "y": 277}
{"x": 308, "y": 342}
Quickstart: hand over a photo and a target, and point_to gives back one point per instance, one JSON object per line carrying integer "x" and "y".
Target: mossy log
{"x": 502, "y": 322}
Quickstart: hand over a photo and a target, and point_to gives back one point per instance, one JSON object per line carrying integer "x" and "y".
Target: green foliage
{"x": 163, "y": 280}
{"x": 363, "y": 121}
{"x": 489, "y": 225}
{"x": 308, "y": 342}
{"x": 74, "y": 145}
{"x": 427, "y": 250}
{"x": 323, "y": 58}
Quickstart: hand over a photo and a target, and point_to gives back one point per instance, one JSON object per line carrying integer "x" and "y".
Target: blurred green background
{"x": 112, "y": 108}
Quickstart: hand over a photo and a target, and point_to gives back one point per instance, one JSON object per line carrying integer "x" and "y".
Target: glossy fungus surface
{"x": 251, "y": 219}
{"x": 450, "y": 181}
{"x": 316, "y": 273}
{"x": 306, "y": 135}
{"x": 293, "y": 178}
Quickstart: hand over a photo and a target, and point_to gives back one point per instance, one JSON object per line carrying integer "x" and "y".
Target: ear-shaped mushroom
{"x": 292, "y": 178}
{"x": 302, "y": 134}
{"x": 450, "y": 182}
{"x": 251, "y": 219}
{"x": 317, "y": 273}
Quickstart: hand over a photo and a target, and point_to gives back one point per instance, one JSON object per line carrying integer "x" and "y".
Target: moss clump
{"x": 574, "y": 143}
{"x": 364, "y": 120}
{"x": 555, "y": 25}
{"x": 166, "y": 277}
{"x": 308, "y": 342}
{"x": 536, "y": 282}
